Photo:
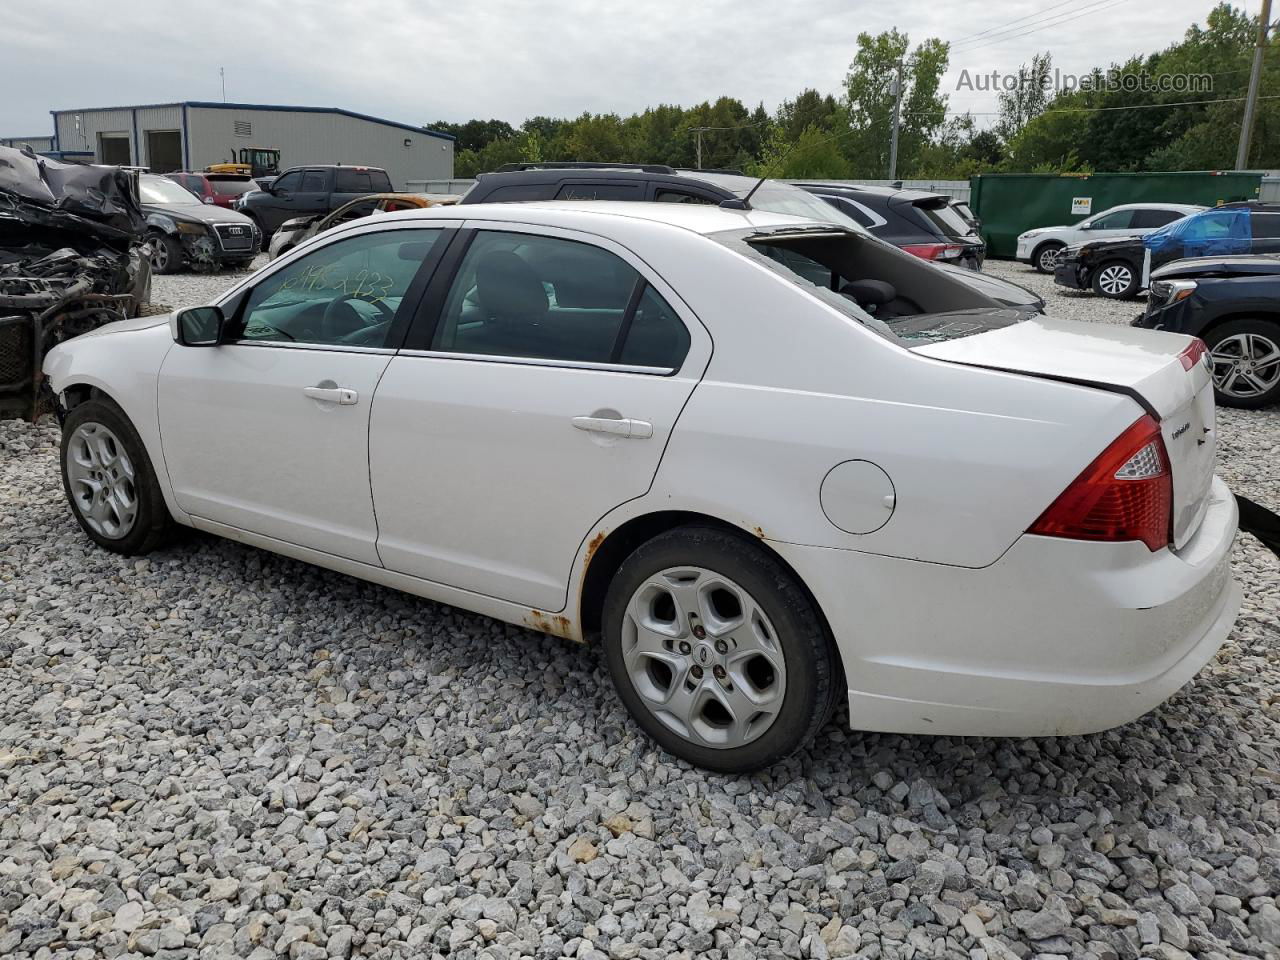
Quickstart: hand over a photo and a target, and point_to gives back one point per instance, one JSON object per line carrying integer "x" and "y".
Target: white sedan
{"x": 770, "y": 464}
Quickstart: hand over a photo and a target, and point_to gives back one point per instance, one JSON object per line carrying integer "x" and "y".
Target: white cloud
{"x": 422, "y": 61}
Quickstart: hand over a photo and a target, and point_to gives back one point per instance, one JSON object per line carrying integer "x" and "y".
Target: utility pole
{"x": 222, "y": 75}
{"x": 1255, "y": 78}
{"x": 895, "y": 88}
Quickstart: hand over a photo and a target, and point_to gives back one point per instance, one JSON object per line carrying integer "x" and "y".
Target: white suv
{"x": 1042, "y": 246}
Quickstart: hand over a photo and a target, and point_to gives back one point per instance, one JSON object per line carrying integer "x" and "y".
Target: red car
{"x": 216, "y": 188}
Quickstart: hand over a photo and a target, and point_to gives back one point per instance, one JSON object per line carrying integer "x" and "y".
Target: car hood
{"x": 1056, "y": 226}
{"x": 1002, "y": 291}
{"x": 1262, "y": 264}
{"x": 198, "y": 212}
{"x": 127, "y": 326}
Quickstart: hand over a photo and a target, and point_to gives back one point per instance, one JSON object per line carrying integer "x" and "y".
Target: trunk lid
{"x": 1148, "y": 365}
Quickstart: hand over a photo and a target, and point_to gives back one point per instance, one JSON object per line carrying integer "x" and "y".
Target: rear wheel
{"x": 1046, "y": 257}
{"x": 1246, "y": 362}
{"x": 717, "y": 652}
{"x": 109, "y": 481}
{"x": 1116, "y": 279}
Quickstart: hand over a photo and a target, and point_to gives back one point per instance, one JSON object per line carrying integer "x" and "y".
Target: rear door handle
{"x": 631, "y": 429}
{"x": 343, "y": 396}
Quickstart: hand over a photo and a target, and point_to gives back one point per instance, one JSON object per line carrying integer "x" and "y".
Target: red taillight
{"x": 1193, "y": 354}
{"x": 933, "y": 251}
{"x": 1125, "y": 494}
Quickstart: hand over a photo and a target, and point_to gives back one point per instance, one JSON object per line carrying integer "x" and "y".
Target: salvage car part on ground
{"x": 70, "y": 261}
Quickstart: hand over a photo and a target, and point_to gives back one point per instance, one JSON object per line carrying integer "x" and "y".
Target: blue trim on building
{"x": 186, "y": 141}
{"x": 137, "y": 145}
{"x": 218, "y": 105}
{"x": 54, "y": 117}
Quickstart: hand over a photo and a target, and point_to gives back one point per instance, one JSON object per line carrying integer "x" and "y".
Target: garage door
{"x": 113, "y": 148}
{"x": 164, "y": 151}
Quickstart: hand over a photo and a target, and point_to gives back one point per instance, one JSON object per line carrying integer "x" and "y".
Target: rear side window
{"x": 514, "y": 192}
{"x": 312, "y": 182}
{"x": 600, "y": 191}
{"x": 1155, "y": 218}
{"x": 1266, "y": 226}
{"x": 856, "y": 211}
{"x": 679, "y": 196}
{"x": 526, "y": 296}
{"x": 360, "y": 181}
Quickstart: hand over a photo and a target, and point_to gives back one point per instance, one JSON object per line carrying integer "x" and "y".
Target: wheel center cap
{"x": 704, "y": 653}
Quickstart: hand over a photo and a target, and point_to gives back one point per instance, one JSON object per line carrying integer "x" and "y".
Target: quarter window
{"x": 599, "y": 191}
{"x": 345, "y": 294}
{"x": 526, "y": 296}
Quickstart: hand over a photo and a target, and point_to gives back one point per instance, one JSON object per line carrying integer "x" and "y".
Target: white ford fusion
{"x": 772, "y": 465}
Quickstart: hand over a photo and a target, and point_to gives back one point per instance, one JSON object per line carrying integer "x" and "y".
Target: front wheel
{"x": 1246, "y": 362}
{"x": 109, "y": 482}
{"x": 717, "y": 652}
{"x": 1116, "y": 280}
{"x": 1046, "y": 258}
{"x": 166, "y": 253}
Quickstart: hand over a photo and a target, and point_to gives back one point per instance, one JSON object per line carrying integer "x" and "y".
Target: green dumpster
{"x": 1012, "y": 203}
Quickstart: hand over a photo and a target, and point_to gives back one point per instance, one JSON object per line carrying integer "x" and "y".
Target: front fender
{"x": 121, "y": 360}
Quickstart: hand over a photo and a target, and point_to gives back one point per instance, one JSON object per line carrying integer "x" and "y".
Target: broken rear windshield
{"x": 893, "y": 293}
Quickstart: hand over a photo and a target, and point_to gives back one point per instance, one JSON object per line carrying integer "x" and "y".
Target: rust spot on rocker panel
{"x": 554, "y": 624}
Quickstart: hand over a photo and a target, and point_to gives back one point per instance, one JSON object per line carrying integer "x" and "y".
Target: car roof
{"x": 905, "y": 194}
{"x": 1179, "y": 207}
{"x": 694, "y": 217}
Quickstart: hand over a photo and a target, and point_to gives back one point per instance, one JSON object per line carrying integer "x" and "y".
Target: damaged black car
{"x": 71, "y": 260}
{"x": 183, "y": 232}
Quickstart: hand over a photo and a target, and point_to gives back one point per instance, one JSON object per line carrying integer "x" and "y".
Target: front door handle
{"x": 631, "y": 429}
{"x": 343, "y": 396}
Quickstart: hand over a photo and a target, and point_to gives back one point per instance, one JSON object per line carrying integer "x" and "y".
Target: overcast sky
{"x": 422, "y": 61}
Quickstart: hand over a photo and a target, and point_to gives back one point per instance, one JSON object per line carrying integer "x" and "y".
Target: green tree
{"x": 869, "y": 101}
{"x": 1029, "y": 98}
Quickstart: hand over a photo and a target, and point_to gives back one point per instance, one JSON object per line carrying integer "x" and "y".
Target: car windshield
{"x": 778, "y": 197}
{"x": 890, "y": 292}
{"x": 232, "y": 186}
{"x": 155, "y": 189}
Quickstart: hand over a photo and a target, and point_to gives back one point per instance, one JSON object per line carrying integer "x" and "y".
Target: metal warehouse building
{"x": 194, "y": 134}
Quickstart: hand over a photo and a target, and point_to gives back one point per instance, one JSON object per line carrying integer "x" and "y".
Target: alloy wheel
{"x": 703, "y": 657}
{"x": 1245, "y": 365}
{"x": 101, "y": 479}
{"x": 159, "y": 254}
{"x": 1049, "y": 257}
{"x": 1115, "y": 279}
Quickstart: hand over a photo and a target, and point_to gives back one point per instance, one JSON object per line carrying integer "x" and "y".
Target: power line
{"x": 1098, "y": 6}
{"x": 1135, "y": 106}
{"x": 1005, "y": 26}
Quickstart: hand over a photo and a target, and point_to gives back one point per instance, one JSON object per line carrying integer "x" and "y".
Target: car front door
{"x": 536, "y": 392}
{"x": 268, "y": 432}
{"x": 278, "y": 203}
{"x": 313, "y": 193}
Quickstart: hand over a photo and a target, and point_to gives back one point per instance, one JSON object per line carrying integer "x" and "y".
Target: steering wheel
{"x": 341, "y": 318}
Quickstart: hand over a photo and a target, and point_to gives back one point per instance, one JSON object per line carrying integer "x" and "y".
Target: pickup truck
{"x": 305, "y": 191}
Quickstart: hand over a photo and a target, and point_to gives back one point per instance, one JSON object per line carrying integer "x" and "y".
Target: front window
{"x": 344, "y": 294}
{"x": 1116, "y": 220}
{"x": 162, "y": 190}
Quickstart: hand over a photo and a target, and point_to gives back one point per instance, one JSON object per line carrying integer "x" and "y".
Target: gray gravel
{"x": 217, "y": 752}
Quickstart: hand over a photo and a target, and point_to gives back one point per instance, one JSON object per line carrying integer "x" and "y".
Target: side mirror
{"x": 208, "y": 199}
{"x": 200, "y": 327}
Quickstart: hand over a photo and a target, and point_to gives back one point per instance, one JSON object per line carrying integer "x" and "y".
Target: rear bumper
{"x": 1057, "y": 637}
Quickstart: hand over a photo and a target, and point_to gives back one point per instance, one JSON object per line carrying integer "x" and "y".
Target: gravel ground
{"x": 217, "y": 752}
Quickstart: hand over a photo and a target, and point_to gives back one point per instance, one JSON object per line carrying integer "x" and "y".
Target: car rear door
{"x": 536, "y": 393}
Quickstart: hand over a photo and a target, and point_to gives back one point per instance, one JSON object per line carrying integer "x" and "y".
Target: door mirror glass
{"x": 200, "y": 326}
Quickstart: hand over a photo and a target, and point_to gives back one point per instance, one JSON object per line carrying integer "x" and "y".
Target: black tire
{"x": 167, "y": 253}
{"x": 1049, "y": 250}
{"x": 814, "y": 681}
{"x": 1109, "y": 280}
{"x": 1262, "y": 335}
{"x": 153, "y": 524}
